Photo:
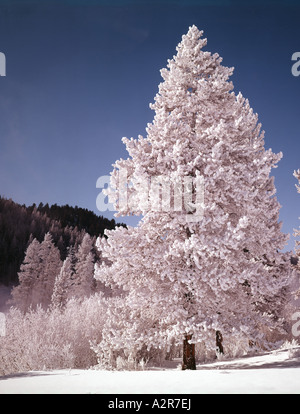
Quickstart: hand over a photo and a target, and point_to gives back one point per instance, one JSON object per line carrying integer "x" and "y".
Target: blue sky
{"x": 80, "y": 75}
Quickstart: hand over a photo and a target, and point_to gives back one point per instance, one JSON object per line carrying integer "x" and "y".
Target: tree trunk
{"x": 219, "y": 340}
{"x": 189, "y": 361}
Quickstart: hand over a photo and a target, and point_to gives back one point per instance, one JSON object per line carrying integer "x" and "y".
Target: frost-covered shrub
{"x": 83, "y": 321}
{"x": 124, "y": 342}
{"x": 234, "y": 345}
{"x": 52, "y": 339}
{"x": 34, "y": 341}
{"x": 293, "y": 348}
{"x": 129, "y": 359}
{"x": 203, "y": 353}
{"x": 130, "y": 364}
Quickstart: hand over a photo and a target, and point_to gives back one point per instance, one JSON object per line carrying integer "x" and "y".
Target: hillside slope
{"x": 19, "y": 224}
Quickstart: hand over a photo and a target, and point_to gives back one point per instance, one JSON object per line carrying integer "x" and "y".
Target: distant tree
{"x": 66, "y": 224}
{"x": 37, "y": 275}
{"x": 62, "y": 284}
{"x": 76, "y": 277}
{"x": 84, "y": 268}
{"x": 51, "y": 265}
{"x": 25, "y": 294}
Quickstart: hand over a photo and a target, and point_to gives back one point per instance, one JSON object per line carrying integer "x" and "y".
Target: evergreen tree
{"x": 37, "y": 275}
{"x": 189, "y": 276}
{"x": 66, "y": 224}
{"x": 25, "y": 294}
{"x": 84, "y": 268}
{"x": 62, "y": 284}
{"x": 77, "y": 277}
{"x": 51, "y": 265}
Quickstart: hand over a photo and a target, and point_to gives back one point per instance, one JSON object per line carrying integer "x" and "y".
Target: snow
{"x": 270, "y": 373}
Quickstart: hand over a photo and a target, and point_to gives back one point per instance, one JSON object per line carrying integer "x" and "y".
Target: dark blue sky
{"x": 80, "y": 75}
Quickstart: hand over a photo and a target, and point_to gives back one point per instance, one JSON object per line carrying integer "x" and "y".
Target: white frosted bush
{"x": 54, "y": 338}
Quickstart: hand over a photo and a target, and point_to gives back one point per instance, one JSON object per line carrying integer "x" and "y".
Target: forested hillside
{"x": 19, "y": 225}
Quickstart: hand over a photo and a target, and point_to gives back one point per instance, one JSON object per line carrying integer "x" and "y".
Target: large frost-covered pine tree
{"x": 186, "y": 277}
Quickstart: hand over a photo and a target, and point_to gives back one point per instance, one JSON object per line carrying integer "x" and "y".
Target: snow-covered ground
{"x": 274, "y": 372}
